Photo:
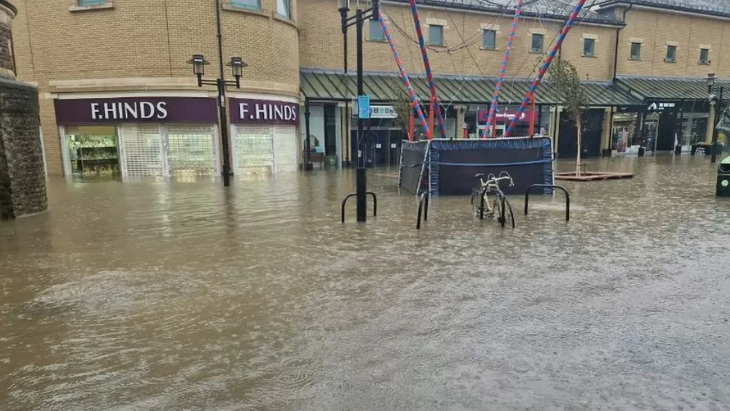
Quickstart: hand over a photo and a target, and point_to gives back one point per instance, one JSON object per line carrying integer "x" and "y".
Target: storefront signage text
{"x": 136, "y": 110}
{"x": 661, "y": 106}
{"x": 264, "y": 111}
{"x": 383, "y": 112}
{"x": 505, "y": 116}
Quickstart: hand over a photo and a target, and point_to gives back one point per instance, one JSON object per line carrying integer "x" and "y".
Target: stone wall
{"x": 22, "y": 173}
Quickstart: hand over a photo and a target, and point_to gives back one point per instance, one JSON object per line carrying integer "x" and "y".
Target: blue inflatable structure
{"x": 447, "y": 167}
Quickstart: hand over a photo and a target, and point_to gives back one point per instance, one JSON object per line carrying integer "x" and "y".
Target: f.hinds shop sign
{"x": 137, "y": 110}
{"x": 244, "y": 111}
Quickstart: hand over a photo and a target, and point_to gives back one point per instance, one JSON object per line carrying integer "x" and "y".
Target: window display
{"x": 92, "y": 150}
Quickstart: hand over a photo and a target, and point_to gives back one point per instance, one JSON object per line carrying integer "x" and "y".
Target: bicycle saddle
{"x": 480, "y": 175}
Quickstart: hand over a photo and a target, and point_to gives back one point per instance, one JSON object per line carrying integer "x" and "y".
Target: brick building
{"x": 117, "y": 94}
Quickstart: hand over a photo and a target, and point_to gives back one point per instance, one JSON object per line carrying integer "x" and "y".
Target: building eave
{"x": 687, "y": 11}
{"x": 495, "y": 11}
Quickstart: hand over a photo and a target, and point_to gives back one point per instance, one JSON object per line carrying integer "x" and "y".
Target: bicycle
{"x": 490, "y": 200}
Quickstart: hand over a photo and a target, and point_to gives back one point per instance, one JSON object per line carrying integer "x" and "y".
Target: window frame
{"x": 673, "y": 58}
{"x": 631, "y": 51}
{"x": 380, "y": 30}
{"x": 707, "y": 60}
{"x": 493, "y": 33}
{"x": 534, "y": 50}
{"x": 240, "y": 6}
{"x": 430, "y": 37}
{"x": 287, "y": 4}
{"x": 591, "y": 41}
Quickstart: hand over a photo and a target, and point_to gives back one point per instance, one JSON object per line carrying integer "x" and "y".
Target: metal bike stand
{"x": 567, "y": 197}
{"x": 349, "y": 196}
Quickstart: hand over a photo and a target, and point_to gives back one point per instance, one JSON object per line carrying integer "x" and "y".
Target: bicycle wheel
{"x": 476, "y": 202}
{"x": 508, "y": 214}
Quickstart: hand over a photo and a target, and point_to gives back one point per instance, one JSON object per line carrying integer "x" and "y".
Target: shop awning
{"x": 653, "y": 89}
{"x": 336, "y": 86}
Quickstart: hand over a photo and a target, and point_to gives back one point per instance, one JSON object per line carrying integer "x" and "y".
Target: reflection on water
{"x": 158, "y": 295}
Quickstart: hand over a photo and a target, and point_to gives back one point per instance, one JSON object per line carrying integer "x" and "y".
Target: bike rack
{"x": 375, "y": 204}
{"x": 567, "y": 197}
{"x": 422, "y": 200}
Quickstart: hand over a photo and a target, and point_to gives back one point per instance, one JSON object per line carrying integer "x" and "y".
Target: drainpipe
{"x": 615, "y": 50}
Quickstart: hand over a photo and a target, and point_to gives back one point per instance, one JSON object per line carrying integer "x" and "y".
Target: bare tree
{"x": 402, "y": 106}
{"x": 566, "y": 84}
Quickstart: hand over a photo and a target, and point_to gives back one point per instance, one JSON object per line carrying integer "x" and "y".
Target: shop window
{"x": 84, "y": 3}
{"x": 589, "y": 47}
{"x": 635, "y": 51}
{"x": 704, "y": 56}
{"x": 246, "y": 4}
{"x": 283, "y": 8}
{"x": 537, "y": 43}
{"x": 436, "y": 35}
{"x": 489, "y": 40}
{"x": 671, "y": 54}
{"x": 376, "y": 31}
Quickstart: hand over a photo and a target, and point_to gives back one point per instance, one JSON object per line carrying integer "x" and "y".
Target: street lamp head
{"x": 237, "y": 66}
{"x": 199, "y": 62}
{"x": 343, "y": 5}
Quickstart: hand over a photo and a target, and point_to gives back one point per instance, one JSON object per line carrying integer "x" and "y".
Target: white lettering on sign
{"x": 128, "y": 111}
{"x": 660, "y": 106}
{"x": 267, "y": 112}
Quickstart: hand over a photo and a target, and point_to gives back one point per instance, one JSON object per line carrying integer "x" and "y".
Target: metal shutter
{"x": 191, "y": 150}
{"x": 143, "y": 151}
{"x": 253, "y": 150}
{"x": 286, "y": 149}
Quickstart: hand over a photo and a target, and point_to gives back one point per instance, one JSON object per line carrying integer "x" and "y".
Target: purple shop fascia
{"x": 250, "y": 111}
{"x": 136, "y": 110}
{"x": 172, "y": 110}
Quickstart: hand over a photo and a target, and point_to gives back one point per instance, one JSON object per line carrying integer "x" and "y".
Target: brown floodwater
{"x": 186, "y": 296}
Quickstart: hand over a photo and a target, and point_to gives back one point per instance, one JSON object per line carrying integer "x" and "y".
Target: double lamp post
{"x": 199, "y": 62}
{"x": 358, "y": 21}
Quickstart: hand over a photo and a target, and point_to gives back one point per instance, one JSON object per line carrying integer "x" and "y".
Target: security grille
{"x": 191, "y": 151}
{"x": 143, "y": 150}
{"x": 286, "y": 149}
{"x": 254, "y": 150}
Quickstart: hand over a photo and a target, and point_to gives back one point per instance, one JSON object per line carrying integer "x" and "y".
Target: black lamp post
{"x": 358, "y": 20}
{"x": 199, "y": 62}
{"x": 718, "y": 112}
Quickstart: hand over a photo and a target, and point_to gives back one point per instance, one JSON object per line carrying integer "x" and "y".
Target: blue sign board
{"x": 363, "y": 106}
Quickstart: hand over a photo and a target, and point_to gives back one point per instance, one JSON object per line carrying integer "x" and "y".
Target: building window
{"x": 246, "y": 4}
{"x": 704, "y": 56}
{"x": 537, "y": 41}
{"x": 589, "y": 47}
{"x": 436, "y": 35}
{"x": 489, "y": 39}
{"x": 283, "y": 8}
{"x": 91, "y": 2}
{"x": 671, "y": 54}
{"x": 635, "y": 51}
{"x": 376, "y": 31}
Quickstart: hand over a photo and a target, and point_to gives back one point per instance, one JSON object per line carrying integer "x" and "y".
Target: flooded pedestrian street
{"x": 187, "y": 296}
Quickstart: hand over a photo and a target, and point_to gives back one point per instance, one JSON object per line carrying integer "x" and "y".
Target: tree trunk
{"x": 579, "y": 125}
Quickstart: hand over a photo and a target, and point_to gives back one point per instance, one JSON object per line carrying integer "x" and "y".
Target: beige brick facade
{"x": 656, "y": 30}
{"x": 321, "y": 42}
{"x": 143, "y": 45}
{"x": 114, "y": 46}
